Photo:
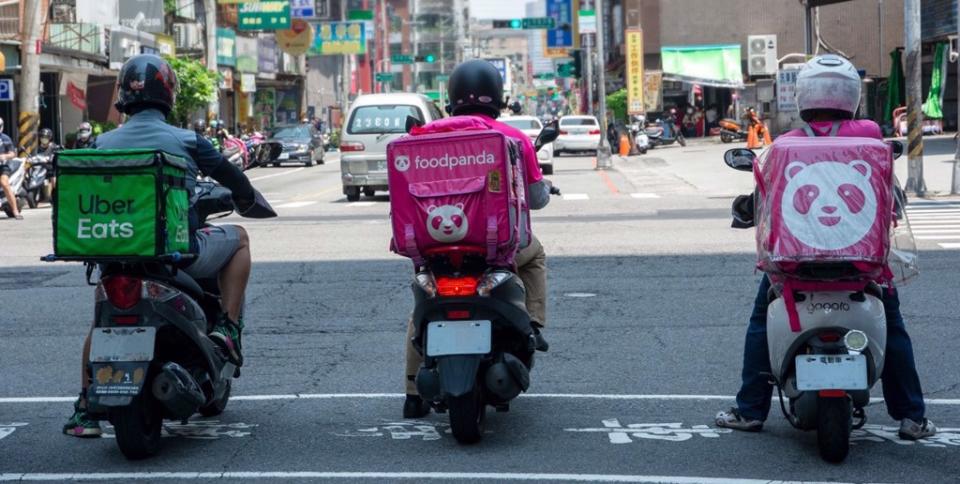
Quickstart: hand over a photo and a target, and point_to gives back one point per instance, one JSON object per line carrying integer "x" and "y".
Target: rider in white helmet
{"x": 828, "y": 95}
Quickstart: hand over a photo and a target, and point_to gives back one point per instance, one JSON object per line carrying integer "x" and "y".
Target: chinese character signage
{"x": 787, "y": 88}
{"x": 335, "y": 38}
{"x": 634, "y": 72}
{"x": 226, "y": 47}
{"x": 267, "y": 55}
{"x": 264, "y": 15}
{"x": 145, "y": 15}
{"x": 302, "y": 8}
{"x": 652, "y": 90}
{"x": 247, "y": 54}
{"x": 562, "y": 12}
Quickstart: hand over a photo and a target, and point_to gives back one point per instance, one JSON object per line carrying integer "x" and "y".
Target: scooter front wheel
{"x": 467, "y": 416}
{"x": 834, "y": 424}
{"x": 138, "y": 427}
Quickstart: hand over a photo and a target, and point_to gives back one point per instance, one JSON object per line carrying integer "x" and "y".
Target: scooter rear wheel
{"x": 467, "y": 416}
{"x": 138, "y": 427}
{"x": 834, "y": 424}
{"x": 217, "y": 407}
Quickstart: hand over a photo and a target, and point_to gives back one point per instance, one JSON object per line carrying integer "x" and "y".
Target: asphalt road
{"x": 649, "y": 297}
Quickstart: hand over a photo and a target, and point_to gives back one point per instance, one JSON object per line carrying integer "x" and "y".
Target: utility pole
{"x": 210, "y": 18}
{"x": 344, "y": 69}
{"x": 955, "y": 182}
{"x": 29, "y": 118}
{"x": 911, "y": 23}
{"x": 588, "y": 63}
{"x": 603, "y": 154}
{"x": 415, "y": 24}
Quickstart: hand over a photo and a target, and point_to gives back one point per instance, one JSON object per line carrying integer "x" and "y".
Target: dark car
{"x": 301, "y": 144}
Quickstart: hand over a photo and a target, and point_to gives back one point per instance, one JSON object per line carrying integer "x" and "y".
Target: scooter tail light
{"x": 123, "y": 292}
{"x": 458, "y": 314}
{"x": 457, "y": 286}
{"x": 829, "y": 337}
{"x": 125, "y": 319}
{"x": 832, "y": 393}
{"x": 158, "y": 292}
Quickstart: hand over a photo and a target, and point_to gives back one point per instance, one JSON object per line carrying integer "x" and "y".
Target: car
{"x": 577, "y": 134}
{"x": 301, "y": 143}
{"x": 531, "y": 127}
{"x": 373, "y": 122}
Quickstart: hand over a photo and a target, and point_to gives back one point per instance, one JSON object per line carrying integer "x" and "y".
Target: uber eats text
{"x": 87, "y": 229}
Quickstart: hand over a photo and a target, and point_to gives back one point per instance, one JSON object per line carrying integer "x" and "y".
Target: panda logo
{"x": 829, "y": 205}
{"x": 402, "y": 163}
{"x": 447, "y": 223}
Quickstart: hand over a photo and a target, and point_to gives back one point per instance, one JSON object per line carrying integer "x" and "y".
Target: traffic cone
{"x": 624, "y": 145}
{"x": 753, "y": 141}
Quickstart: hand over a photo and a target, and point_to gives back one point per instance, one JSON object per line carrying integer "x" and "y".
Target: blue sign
{"x": 6, "y": 89}
{"x": 302, "y": 9}
{"x": 562, "y": 13}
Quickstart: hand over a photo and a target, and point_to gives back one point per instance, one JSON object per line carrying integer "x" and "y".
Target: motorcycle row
{"x": 31, "y": 182}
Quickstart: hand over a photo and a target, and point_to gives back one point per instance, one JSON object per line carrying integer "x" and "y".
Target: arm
{"x": 213, "y": 164}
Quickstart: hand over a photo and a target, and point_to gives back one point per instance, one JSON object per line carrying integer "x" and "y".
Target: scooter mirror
{"x": 547, "y": 135}
{"x": 740, "y": 159}
{"x": 897, "y": 148}
{"x": 412, "y": 121}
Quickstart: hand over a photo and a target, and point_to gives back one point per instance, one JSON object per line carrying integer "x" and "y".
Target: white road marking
{"x": 935, "y": 216}
{"x": 934, "y": 210}
{"x": 404, "y": 430}
{"x": 644, "y": 195}
{"x": 277, "y": 174}
{"x": 197, "y": 429}
{"x": 580, "y": 294}
{"x": 361, "y": 204}
{"x": 937, "y": 237}
{"x": 9, "y": 428}
{"x": 673, "y": 432}
{"x": 880, "y": 433}
{"x": 933, "y": 226}
{"x": 557, "y": 396}
{"x": 929, "y": 231}
{"x": 950, "y": 245}
{"x": 296, "y": 204}
{"x": 576, "y": 196}
{"x": 414, "y": 476}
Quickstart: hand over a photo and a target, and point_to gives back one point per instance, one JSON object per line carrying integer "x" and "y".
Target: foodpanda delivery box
{"x": 456, "y": 182}
{"x": 120, "y": 203}
{"x": 825, "y": 207}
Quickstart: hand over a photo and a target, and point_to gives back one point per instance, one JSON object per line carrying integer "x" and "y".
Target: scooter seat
{"x": 14, "y": 164}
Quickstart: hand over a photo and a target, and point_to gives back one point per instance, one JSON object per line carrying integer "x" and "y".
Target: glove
{"x": 743, "y": 212}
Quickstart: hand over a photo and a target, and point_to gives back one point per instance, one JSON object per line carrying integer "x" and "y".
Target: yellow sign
{"x": 297, "y": 39}
{"x": 3, "y": 62}
{"x": 634, "y": 73}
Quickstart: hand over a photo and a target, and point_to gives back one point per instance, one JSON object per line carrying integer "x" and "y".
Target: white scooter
{"x": 638, "y": 130}
{"x": 19, "y": 169}
{"x": 825, "y": 370}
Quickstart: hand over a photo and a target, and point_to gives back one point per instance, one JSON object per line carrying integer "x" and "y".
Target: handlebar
{"x": 554, "y": 190}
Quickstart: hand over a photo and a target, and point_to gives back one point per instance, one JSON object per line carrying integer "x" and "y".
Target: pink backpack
{"x": 455, "y": 182}
{"x": 825, "y": 208}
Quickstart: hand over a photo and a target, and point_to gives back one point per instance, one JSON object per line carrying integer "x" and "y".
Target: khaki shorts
{"x": 215, "y": 247}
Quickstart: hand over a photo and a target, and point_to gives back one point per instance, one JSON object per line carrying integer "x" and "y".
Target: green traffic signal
{"x": 428, "y": 58}
{"x": 516, "y": 24}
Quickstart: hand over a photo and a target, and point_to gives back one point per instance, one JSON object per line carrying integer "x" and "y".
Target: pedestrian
{"x": 7, "y": 153}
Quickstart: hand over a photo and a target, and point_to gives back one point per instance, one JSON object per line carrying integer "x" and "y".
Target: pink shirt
{"x": 858, "y": 128}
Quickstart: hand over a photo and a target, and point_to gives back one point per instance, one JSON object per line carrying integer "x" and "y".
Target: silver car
{"x": 374, "y": 121}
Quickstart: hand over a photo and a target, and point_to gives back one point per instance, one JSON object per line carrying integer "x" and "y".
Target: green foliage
{"x": 617, "y": 105}
{"x": 335, "y": 138}
{"x": 169, "y": 7}
{"x": 198, "y": 86}
{"x": 99, "y": 127}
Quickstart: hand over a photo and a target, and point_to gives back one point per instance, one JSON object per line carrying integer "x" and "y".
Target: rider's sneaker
{"x": 226, "y": 334}
{"x": 540, "y": 342}
{"x": 415, "y": 407}
{"x": 80, "y": 425}
{"x": 732, "y": 419}
{"x": 910, "y": 430}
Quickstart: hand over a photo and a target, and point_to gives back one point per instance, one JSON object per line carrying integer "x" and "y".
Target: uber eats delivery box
{"x": 120, "y": 203}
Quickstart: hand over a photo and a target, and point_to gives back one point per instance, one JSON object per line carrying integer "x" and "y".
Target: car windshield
{"x": 382, "y": 119}
{"x": 523, "y": 123}
{"x": 578, "y": 122}
{"x": 293, "y": 133}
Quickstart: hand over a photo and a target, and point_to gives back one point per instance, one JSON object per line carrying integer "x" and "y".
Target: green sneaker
{"x": 226, "y": 334}
{"x": 81, "y": 426}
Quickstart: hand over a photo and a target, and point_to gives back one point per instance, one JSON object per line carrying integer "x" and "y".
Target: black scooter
{"x": 37, "y": 184}
{"x": 473, "y": 329}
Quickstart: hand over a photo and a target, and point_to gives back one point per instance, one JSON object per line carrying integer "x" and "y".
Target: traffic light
{"x": 428, "y": 58}
{"x": 577, "y": 62}
{"x": 508, "y": 24}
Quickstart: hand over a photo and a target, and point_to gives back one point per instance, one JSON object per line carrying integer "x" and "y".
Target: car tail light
{"x": 352, "y": 146}
{"x": 458, "y": 314}
{"x": 564, "y": 132}
{"x": 594, "y": 131}
{"x": 457, "y": 286}
{"x": 123, "y": 292}
{"x": 829, "y": 337}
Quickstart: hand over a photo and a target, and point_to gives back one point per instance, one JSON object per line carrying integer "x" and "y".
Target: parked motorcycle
{"x": 150, "y": 356}
{"x": 731, "y": 130}
{"x": 17, "y": 182}
{"x": 639, "y": 135}
{"x": 474, "y": 331}
{"x": 826, "y": 370}
{"x": 37, "y": 184}
{"x": 665, "y": 133}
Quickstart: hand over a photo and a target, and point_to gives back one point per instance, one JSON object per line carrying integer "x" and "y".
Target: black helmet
{"x": 475, "y": 86}
{"x": 516, "y": 107}
{"x": 146, "y": 80}
{"x": 200, "y": 126}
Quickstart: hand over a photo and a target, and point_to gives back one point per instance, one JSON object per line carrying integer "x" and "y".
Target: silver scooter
{"x": 19, "y": 169}
{"x": 824, "y": 372}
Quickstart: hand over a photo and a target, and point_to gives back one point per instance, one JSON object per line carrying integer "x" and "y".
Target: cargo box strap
{"x": 813, "y": 134}
{"x": 175, "y": 181}
{"x": 791, "y": 285}
{"x": 492, "y": 234}
{"x": 410, "y": 244}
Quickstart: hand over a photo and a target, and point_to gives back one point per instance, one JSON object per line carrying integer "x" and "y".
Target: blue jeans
{"x": 901, "y": 384}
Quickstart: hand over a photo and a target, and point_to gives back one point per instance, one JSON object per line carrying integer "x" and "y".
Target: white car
{"x": 577, "y": 133}
{"x": 531, "y": 127}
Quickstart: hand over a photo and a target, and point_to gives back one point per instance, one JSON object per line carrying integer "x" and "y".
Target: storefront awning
{"x": 707, "y": 65}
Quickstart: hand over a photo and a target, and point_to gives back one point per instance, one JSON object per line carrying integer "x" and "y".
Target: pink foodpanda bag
{"x": 825, "y": 208}
{"x": 457, "y": 182}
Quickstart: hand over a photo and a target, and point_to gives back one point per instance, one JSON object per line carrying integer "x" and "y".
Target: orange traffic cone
{"x": 624, "y": 145}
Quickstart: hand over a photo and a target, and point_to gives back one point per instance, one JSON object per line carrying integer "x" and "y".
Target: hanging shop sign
{"x": 247, "y": 55}
{"x": 248, "y": 83}
{"x": 144, "y": 15}
{"x": 652, "y": 91}
{"x": 634, "y": 72}
{"x": 267, "y": 55}
{"x": 334, "y": 38}
{"x": 226, "y": 47}
{"x": 226, "y": 78}
{"x": 296, "y": 40}
{"x": 264, "y": 15}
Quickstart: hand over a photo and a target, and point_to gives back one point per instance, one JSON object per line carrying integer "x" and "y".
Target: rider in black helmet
{"x": 147, "y": 89}
{"x": 476, "y": 89}
{"x": 46, "y": 145}
{"x": 200, "y": 127}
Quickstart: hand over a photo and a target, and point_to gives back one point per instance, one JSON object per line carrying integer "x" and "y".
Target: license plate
{"x": 831, "y": 372}
{"x": 284, "y": 156}
{"x": 382, "y": 165}
{"x": 458, "y": 338}
{"x": 122, "y": 344}
{"x": 122, "y": 378}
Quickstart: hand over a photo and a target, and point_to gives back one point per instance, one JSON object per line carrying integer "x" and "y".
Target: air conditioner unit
{"x": 187, "y": 36}
{"x": 762, "y": 55}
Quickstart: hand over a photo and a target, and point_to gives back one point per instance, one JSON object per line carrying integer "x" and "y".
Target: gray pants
{"x": 215, "y": 247}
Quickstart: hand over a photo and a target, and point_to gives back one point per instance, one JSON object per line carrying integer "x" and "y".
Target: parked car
{"x": 531, "y": 126}
{"x": 577, "y": 134}
{"x": 302, "y": 143}
{"x": 374, "y": 121}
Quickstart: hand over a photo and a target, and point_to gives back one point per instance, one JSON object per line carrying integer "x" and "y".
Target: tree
{"x": 617, "y": 104}
{"x": 198, "y": 86}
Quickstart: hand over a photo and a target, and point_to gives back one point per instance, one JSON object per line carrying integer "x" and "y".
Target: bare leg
{"x": 233, "y": 278}
{"x": 8, "y": 192}
{"x": 85, "y": 370}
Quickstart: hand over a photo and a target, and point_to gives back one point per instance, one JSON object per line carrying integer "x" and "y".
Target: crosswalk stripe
{"x": 644, "y": 195}
{"x": 950, "y": 245}
{"x": 361, "y": 204}
{"x": 951, "y": 230}
{"x": 296, "y": 204}
{"x": 934, "y": 217}
{"x": 934, "y": 210}
{"x": 937, "y": 237}
{"x": 916, "y": 226}
{"x": 576, "y": 196}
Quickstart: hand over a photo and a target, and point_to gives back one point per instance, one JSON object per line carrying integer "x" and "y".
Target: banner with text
{"x": 335, "y": 38}
{"x": 634, "y": 72}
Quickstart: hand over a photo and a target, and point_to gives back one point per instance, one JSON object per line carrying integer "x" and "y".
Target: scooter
{"x": 37, "y": 183}
{"x": 731, "y": 130}
{"x": 665, "y": 133}
{"x": 824, "y": 372}
{"x": 475, "y": 334}
{"x": 150, "y": 356}
{"x": 17, "y": 180}
{"x": 641, "y": 141}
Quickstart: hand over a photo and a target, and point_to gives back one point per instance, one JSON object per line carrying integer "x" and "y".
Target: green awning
{"x": 933, "y": 107}
{"x": 707, "y": 65}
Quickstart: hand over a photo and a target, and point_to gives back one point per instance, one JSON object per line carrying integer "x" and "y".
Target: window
{"x": 523, "y": 123}
{"x": 578, "y": 122}
{"x": 382, "y": 119}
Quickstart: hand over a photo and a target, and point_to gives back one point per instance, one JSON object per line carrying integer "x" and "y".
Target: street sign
{"x": 384, "y": 77}
{"x": 587, "y": 22}
{"x": 401, "y": 59}
{"x": 360, "y": 15}
{"x": 302, "y": 9}
{"x": 562, "y": 13}
{"x": 549, "y": 75}
{"x": 566, "y": 70}
{"x": 443, "y": 77}
{"x": 6, "y": 90}
{"x": 335, "y": 38}
{"x": 539, "y": 23}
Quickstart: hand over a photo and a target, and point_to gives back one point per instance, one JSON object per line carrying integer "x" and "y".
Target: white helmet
{"x": 828, "y": 82}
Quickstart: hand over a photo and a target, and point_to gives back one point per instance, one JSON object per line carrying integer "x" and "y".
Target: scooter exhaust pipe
{"x": 178, "y": 391}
